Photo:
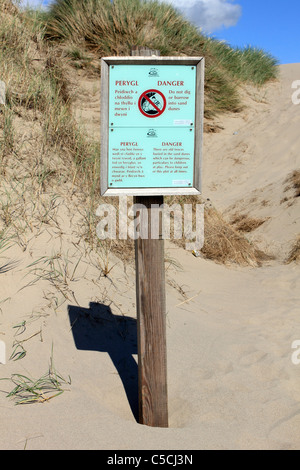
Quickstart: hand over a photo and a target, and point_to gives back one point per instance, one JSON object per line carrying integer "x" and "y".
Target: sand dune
{"x": 231, "y": 380}
{"x": 247, "y": 164}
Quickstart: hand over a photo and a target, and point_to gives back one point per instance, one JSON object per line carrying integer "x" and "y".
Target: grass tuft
{"x": 224, "y": 244}
{"x": 28, "y": 390}
{"x": 245, "y": 223}
{"x": 294, "y": 254}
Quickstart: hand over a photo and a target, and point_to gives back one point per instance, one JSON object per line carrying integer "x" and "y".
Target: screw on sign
{"x": 152, "y": 103}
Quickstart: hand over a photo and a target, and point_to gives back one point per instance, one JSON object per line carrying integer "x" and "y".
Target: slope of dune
{"x": 249, "y": 163}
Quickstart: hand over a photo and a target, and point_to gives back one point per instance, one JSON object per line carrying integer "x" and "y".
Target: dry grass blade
{"x": 294, "y": 182}
{"x": 8, "y": 266}
{"x": 245, "y": 223}
{"x": 294, "y": 254}
{"x": 224, "y": 244}
{"x": 18, "y": 353}
{"x": 5, "y": 245}
{"x": 32, "y": 391}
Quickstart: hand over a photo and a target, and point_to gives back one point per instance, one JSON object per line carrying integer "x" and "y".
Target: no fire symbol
{"x": 152, "y": 103}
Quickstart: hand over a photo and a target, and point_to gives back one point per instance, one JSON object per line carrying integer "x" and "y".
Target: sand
{"x": 231, "y": 380}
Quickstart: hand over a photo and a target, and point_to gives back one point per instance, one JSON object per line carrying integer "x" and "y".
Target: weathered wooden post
{"x": 151, "y": 307}
{"x": 151, "y": 315}
{"x": 151, "y": 139}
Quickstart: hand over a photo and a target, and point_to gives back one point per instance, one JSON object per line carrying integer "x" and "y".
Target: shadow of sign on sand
{"x": 97, "y": 329}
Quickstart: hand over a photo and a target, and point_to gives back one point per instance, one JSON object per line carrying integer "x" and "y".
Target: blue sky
{"x": 272, "y": 25}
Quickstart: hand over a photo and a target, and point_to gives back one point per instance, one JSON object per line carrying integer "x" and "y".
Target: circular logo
{"x": 152, "y": 103}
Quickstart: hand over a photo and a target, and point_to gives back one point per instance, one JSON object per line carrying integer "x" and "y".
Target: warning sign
{"x": 140, "y": 92}
{"x": 151, "y": 125}
{"x": 152, "y": 103}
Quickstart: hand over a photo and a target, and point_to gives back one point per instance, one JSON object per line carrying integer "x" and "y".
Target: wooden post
{"x": 151, "y": 307}
{"x": 151, "y": 316}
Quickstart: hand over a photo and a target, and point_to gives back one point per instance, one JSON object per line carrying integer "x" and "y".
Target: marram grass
{"x": 35, "y": 54}
{"x": 112, "y": 28}
{"x": 29, "y": 390}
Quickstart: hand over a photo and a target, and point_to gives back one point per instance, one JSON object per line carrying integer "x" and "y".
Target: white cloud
{"x": 210, "y": 15}
{"x": 31, "y": 3}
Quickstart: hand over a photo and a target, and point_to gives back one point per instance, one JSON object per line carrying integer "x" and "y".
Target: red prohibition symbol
{"x": 152, "y": 103}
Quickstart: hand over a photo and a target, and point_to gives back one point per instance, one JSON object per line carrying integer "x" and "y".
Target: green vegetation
{"x": 34, "y": 47}
{"x": 42, "y": 147}
{"x": 28, "y": 390}
{"x": 112, "y": 28}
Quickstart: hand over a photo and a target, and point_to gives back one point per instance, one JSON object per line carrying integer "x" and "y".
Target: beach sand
{"x": 231, "y": 380}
